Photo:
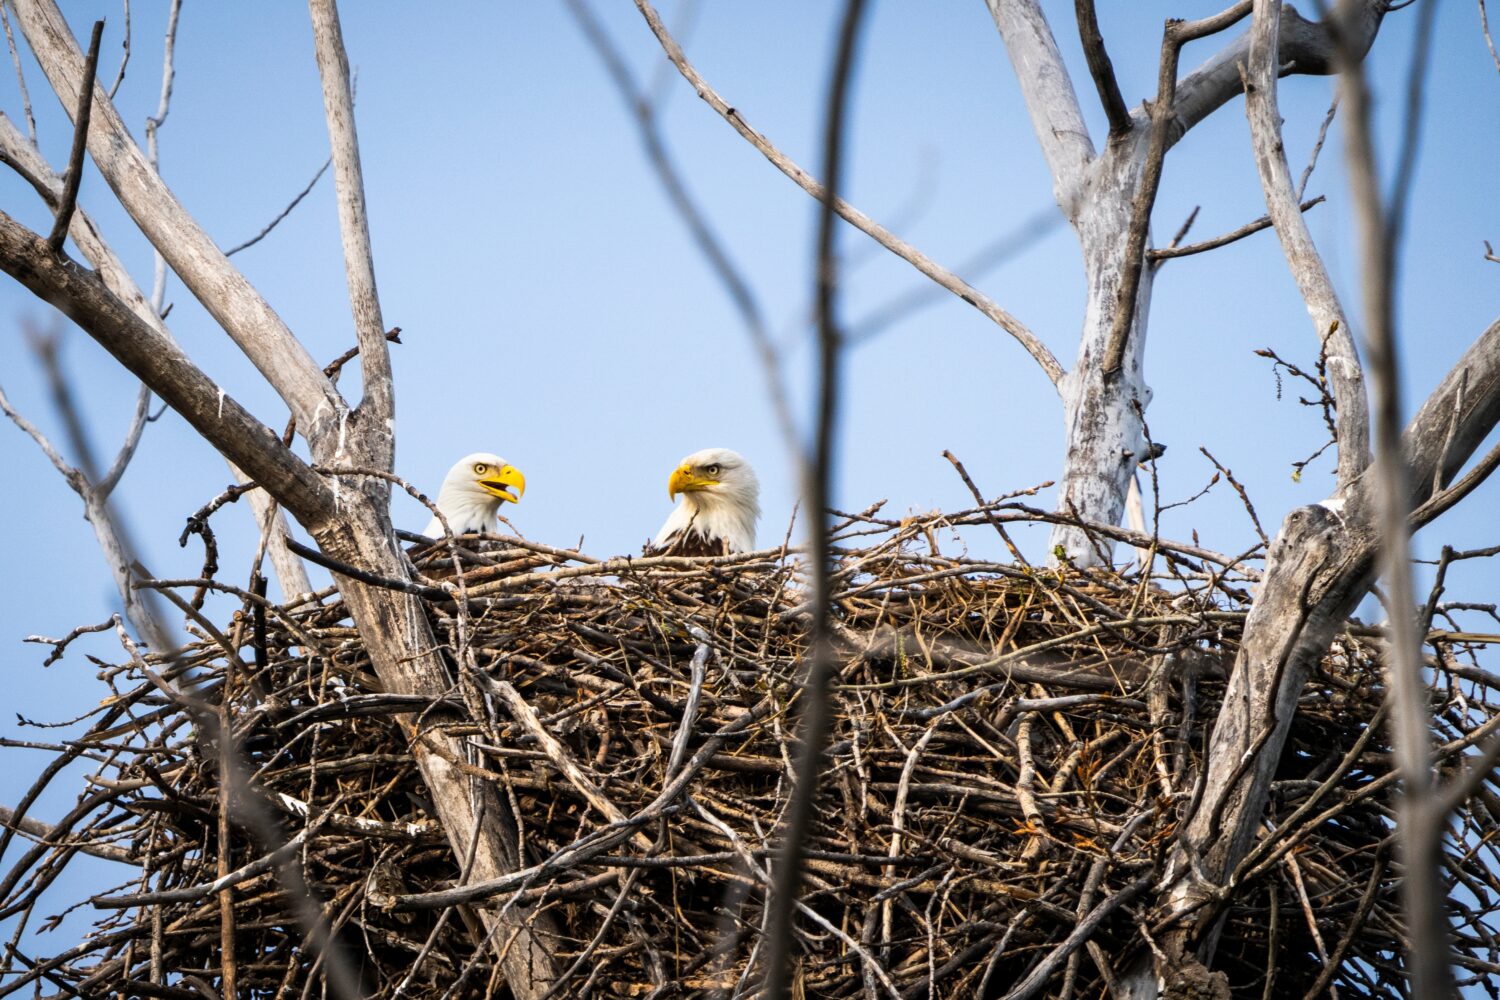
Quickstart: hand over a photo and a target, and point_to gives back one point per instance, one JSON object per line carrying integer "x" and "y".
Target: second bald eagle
{"x": 719, "y": 507}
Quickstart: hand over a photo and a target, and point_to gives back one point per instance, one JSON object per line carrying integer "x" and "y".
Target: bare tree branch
{"x": 1329, "y": 323}
{"x": 160, "y": 363}
{"x": 114, "y": 88}
{"x": 1305, "y": 47}
{"x": 1174, "y": 37}
{"x": 74, "y": 175}
{"x": 1101, "y": 69}
{"x": 153, "y": 151}
{"x": 15, "y": 58}
{"x": 1051, "y": 101}
{"x": 1489, "y": 41}
{"x": 815, "y": 721}
{"x": 378, "y": 405}
{"x": 643, "y": 108}
{"x": 230, "y": 299}
{"x": 283, "y": 213}
{"x": 1233, "y": 236}
{"x": 1420, "y": 824}
{"x": 856, "y": 218}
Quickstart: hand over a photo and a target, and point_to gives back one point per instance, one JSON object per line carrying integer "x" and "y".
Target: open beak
{"x": 505, "y": 479}
{"x": 685, "y": 481}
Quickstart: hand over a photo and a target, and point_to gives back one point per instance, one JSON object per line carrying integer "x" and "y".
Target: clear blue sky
{"x": 556, "y": 312}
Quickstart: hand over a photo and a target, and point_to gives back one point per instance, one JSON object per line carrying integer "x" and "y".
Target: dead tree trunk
{"x": 1107, "y": 197}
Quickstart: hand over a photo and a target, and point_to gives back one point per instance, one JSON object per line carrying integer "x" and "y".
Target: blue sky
{"x": 556, "y": 312}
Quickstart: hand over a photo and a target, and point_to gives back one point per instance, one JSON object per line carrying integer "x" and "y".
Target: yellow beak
{"x": 684, "y": 480}
{"x": 506, "y": 475}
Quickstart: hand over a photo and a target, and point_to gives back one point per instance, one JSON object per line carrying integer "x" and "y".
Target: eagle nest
{"x": 1011, "y": 749}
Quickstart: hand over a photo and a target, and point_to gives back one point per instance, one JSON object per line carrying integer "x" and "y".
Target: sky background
{"x": 555, "y": 310}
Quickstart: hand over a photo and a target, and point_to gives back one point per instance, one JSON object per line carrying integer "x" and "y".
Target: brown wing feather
{"x": 692, "y": 543}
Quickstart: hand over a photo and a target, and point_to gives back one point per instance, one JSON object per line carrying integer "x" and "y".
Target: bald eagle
{"x": 473, "y": 491}
{"x": 720, "y": 505}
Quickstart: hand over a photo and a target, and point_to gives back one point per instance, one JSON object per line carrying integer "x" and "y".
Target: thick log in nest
{"x": 1012, "y": 750}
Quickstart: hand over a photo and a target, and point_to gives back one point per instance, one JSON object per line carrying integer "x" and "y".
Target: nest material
{"x": 1010, "y": 752}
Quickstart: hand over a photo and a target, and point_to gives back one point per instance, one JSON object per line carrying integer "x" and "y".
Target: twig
{"x": 59, "y": 645}
{"x": 114, "y": 88}
{"x": 15, "y": 58}
{"x": 74, "y": 176}
{"x": 1489, "y": 41}
{"x": 1234, "y": 235}
{"x": 815, "y": 719}
{"x": 280, "y": 216}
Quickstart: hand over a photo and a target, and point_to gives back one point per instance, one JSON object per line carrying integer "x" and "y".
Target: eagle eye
{"x": 480, "y": 468}
{"x": 712, "y": 470}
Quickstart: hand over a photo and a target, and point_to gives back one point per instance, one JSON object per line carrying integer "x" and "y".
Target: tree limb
{"x": 1101, "y": 69}
{"x": 225, "y": 293}
{"x": 1305, "y": 47}
{"x": 1330, "y": 325}
{"x": 378, "y": 405}
{"x": 1050, "y": 99}
{"x": 160, "y": 364}
{"x": 1010, "y": 324}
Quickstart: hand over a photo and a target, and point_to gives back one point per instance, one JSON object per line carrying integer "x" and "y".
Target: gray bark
{"x": 1095, "y": 193}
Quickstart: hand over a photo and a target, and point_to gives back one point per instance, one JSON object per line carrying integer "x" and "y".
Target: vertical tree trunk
{"x": 1103, "y": 410}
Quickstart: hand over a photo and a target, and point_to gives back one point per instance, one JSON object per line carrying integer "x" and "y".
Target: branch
{"x": 225, "y": 293}
{"x": 266, "y": 231}
{"x": 74, "y": 176}
{"x": 24, "y": 157}
{"x": 153, "y": 130}
{"x": 1174, "y": 37}
{"x": 816, "y": 715}
{"x": 735, "y": 284}
{"x": 847, "y": 212}
{"x": 1101, "y": 69}
{"x": 107, "y": 483}
{"x": 1420, "y": 825}
{"x": 1050, "y": 99}
{"x": 161, "y": 364}
{"x": 1329, "y": 322}
{"x": 1306, "y": 47}
{"x": 1234, "y": 235}
{"x": 378, "y": 404}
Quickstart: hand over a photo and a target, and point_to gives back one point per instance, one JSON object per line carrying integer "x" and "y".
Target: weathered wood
{"x": 233, "y": 302}
{"x": 1330, "y": 325}
{"x": 354, "y": 227}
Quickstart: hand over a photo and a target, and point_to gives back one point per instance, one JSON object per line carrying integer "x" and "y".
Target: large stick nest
{"x": 1011, "y": 751}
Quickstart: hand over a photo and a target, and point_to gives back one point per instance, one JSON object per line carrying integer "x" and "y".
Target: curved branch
{"x": 849, "y": 213}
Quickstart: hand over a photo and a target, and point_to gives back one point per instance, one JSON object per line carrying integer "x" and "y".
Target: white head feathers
{"x": 473, "y": 491}
{"x": 719, "y": 507}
